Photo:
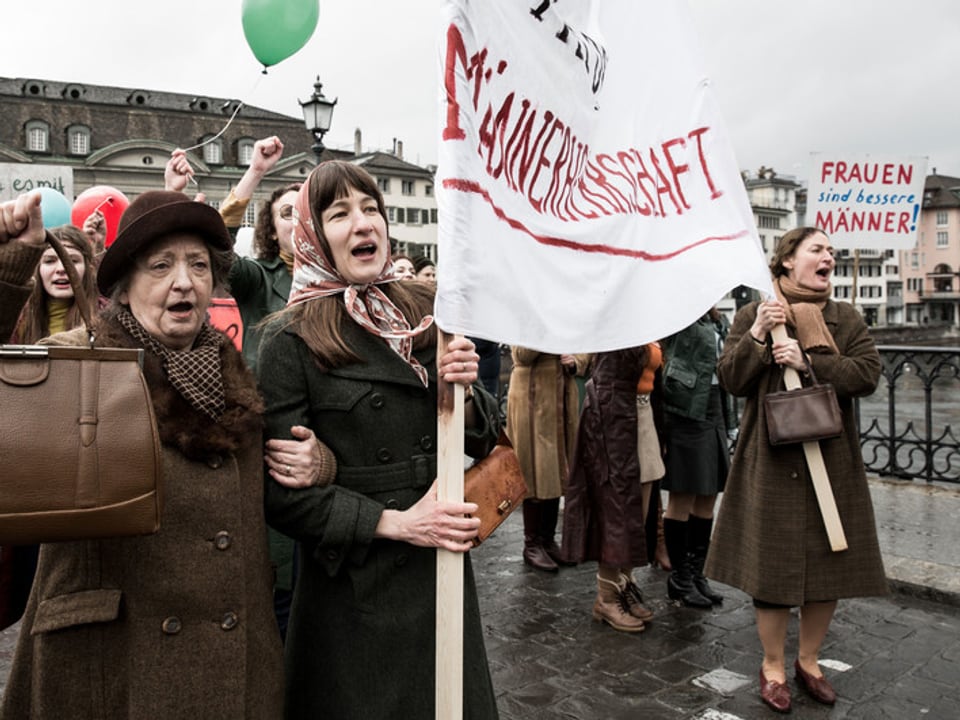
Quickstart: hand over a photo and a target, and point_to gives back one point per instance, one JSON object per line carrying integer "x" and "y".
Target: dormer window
{"x": 78, "y": 139}
{"x": 38, "y": 136}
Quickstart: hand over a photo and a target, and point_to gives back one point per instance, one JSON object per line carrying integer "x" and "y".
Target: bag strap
{"x": 810, "y": 372}
{"x": 78, "y": 297}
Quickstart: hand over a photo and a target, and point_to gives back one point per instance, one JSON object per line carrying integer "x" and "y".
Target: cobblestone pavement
{"x": 888, "y": 658}
{"x": 893, "y": 657}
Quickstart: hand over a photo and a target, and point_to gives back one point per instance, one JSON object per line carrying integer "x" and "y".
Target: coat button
{"x": 392, "y": 504}
{"x": 171, "y": 626}
{"x": 793, "y": 475}
{"x": 376, "y": 401}
{"x": 230, "y": 621}
{"x": 214, "y": 461}
{"x": 426, "y": 442}
{"x": 383, "y": 455}
{"x": 221, "y": 540}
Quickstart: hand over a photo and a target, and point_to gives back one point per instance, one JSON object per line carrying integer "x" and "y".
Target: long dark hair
{"x": 320, "y": 322}
{"x": 34, "y": 323}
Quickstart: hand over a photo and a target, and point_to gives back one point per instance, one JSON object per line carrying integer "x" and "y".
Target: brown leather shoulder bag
{"x": 79, "y": 447}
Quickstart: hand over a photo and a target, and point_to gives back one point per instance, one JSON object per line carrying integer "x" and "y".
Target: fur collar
{"x": 179, "y": 423}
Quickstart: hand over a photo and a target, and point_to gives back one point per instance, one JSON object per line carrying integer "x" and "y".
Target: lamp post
{"x": 317, "y": 114}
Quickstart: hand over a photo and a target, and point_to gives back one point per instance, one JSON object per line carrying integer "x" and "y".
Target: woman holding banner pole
{"x": 770, "y": 539}
{"x": 353, "y": 357}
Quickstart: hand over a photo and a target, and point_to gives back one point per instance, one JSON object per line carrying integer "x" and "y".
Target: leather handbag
{"x": 79, "y": 446}
{"x": 496, "y": 485}
{"x": 805, "y": 414}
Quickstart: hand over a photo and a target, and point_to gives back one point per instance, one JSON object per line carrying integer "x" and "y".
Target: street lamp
{"x": 317, "y": 114}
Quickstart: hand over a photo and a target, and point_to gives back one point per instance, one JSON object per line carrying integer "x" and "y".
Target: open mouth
{"x": 365, "y": 250}
{"x": 180, "y": 307}
{"x": 824, "y": 272}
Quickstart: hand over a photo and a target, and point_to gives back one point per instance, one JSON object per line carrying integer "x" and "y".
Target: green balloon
{"x": 276, "y": 29}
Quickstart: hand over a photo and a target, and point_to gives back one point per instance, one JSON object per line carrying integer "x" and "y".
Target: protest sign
{"x": 588, "y": 194}
{"x": 866, "y": 201}
{"x": 19, "y": 178}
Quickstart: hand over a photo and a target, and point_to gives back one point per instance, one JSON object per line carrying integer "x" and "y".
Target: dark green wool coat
{"x": 261, "y": 287}
{"x": 769, "y": 539}
{"x": 361, "y": 641}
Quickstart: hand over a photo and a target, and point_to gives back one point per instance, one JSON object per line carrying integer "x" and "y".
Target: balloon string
{"x": 240, "y": 104}
{"x": 211, "y": 139}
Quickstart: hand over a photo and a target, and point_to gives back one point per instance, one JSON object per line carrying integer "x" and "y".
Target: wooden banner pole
{"x": 818, "y": 470}
{"x": 449, "y": 647}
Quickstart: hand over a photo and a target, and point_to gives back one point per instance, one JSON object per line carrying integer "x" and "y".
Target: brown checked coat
{"x": 769, "y": 539}
{"x": 175, "y": 625}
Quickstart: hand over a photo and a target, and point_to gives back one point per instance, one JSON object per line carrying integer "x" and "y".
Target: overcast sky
{"x": 873, "y": 76}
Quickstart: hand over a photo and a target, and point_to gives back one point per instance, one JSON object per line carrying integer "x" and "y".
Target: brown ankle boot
{"x": 534, "y": 554}
{"x": 611, "y": 607}
{"x": 634, "y": 597}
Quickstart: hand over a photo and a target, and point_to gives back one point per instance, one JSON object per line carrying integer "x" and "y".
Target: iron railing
{"x": 906, "y": 426}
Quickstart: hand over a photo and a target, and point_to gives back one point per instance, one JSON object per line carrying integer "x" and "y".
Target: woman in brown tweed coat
{"x": 769, "y": 538}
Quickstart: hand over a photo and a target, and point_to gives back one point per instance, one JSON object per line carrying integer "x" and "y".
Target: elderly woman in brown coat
{"x": 178, "y": 624}
{"x": 543, "y": 409}
{"x": 769, "y": 538}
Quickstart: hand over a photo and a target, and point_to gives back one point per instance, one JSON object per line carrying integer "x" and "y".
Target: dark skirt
{"x": 697, "y": 455}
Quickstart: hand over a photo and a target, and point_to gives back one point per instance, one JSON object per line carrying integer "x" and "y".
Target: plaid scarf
{"x": 315, "y": 276}
{"x": 196, "y": 374}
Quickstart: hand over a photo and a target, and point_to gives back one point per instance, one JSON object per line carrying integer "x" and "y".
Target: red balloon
{"x": 108, "y": 200}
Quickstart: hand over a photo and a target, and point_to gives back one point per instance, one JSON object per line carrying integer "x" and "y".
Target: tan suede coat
{"x": 542, "y": 415}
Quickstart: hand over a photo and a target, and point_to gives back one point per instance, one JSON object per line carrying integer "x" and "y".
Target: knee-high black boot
{"x": 549, "y": 511}
{"x": 699, "y": 534}
{"x": 680, "y": 583}
{"x": 534, "y": 553}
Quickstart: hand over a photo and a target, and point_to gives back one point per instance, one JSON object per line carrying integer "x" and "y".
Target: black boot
{"x": 549, "y": 510}
{"x": 533, "y": 553}
{"x": 700, "y": 529}
{"x": 680, "y": 583}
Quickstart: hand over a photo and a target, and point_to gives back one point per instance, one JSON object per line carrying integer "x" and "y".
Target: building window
{"x": 892, "y": 269}
{"x": 428, "y": 190}
{"x": 38, "y": 136}
{"x": 213, "y": 152}
{"x": 914, "y": 260}
{"x": 943, "y": 238}
{"x": 406, "y": 187}
{"x": 941, "y": 218}
{"x": 383, "y": 184}
{"x": 413, "y": 216}
{"x": 250, "y": 215}
{"x": 78, "y": 139}
{"x": 244, "y": 152}
{"x": 771, "y": 222}
{"x": 399, "y": 215}
{"x": 391, "y": 213}
{"x": 433, "y": 215}
{"x": 869, "y": 291}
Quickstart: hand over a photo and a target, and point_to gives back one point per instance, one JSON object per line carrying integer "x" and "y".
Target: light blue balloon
{"x": 54, "y": 207}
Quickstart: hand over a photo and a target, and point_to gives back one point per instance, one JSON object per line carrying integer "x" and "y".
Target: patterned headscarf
{"x": 315, "y": 276}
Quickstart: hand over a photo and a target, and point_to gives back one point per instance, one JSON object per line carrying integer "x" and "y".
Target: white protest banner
{"x": 588, "y": 193}
{"x": 19, "y": 178}
{"x": 866, "y": 201}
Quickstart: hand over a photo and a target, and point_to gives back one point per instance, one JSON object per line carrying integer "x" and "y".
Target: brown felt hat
{"x": 151, "y": 216}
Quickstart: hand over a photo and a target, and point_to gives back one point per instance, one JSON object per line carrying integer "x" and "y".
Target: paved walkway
{"x": 894, "y": 657}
